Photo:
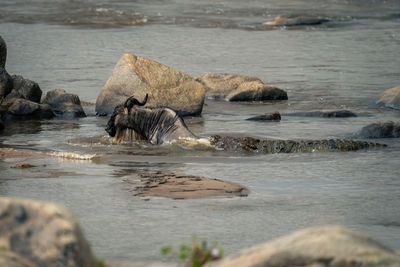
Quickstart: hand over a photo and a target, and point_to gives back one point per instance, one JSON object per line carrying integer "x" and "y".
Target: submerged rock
{"x": 25, "y": 89}
{"x": 251, "y": 144}
{"x": 295, "y": 20}
{"x": 324, "y": 114}
{"x": 6, "y": 83}
{"x": 275, "y": 116}
{"x": 166, "y": 87}
{"x": 64, "y": 104}
{"x": 3, "y": 53}
{"x": 41, "y": 234}
{"x": 380, "y": 129}
{"x": 25, "y": 109}
{"x": 186, "y": 186}
{"x": 391, "y": 98}
{"x": 318, "y": 246}
{"x": 234, "y": 87}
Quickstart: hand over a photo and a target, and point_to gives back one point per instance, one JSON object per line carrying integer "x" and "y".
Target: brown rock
{"x": 380, "y": 129}
{"x": 234, "y": 87}
{"x": 42, "y": 233}
{"x": 64, "y": 104}
{"x": 391, "y": 98}
{"x": 166, "y": 87}
{"x": 319, "y": 246}
{"x": 186, "y": 186}
{"x": 294, "y": 20}
{"x": 275, "y": 116}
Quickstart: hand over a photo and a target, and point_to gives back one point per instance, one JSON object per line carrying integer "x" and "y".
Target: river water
{"x": 343, "y": 64}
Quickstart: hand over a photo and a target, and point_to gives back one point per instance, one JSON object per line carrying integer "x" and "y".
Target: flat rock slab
{"x": 324, "y": 114}
{"x": 275, "y": 116}
{"x": 186, "y": 186}
{"x": 250, "y": 144}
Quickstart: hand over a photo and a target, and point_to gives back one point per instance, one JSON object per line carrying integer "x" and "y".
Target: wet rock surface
{"x": 380, "y": 129}
{"x": 323, "y": 114}
{"x": 6, "y": 83}
{"x": 275, "y": 116}
{"x": 294, "y": 20}
{"x": 233, "y": 87}
{"x": 25, "y": 89}
{"x": 25, "y": 109}
{"x": 64, "y": 104}
{"x": 390, "y": 98}
{"x": 34, "y": 233}
{"x": 230, "y": 143}
{"x": 3, "y": 52}
{"x": 165, "y": 86}
{"x": 186, "y": 186}
{"x": 318, "y": 246}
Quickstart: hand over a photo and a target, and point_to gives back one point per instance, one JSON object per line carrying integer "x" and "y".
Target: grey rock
{"x": 6, "y": 83}
{"x": 64, "y": 104}
{"x": 250, "y": 144}
{"x": 234, "y": 87}
{"x": 266, "y": 117}
{"x": 3, "y": 53}
{"x": 324, "y": 114}
{"x": 390, "y": 98}
{"x": 295, "y": 20}
{"x": 25, "y": 109}
{"x": 24, "y": 88}
{"x": 41, "y": 233}
{"x": 166, "y": 87}
{"x": 319, "y": 246}
{"x": 380, "y": 129}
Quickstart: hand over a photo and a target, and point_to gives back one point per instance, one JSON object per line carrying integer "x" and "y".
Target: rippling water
{"x": 344, "y": 64}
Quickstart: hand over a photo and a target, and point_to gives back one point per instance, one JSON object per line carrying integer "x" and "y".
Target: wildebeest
{"x": 157, "y": 125}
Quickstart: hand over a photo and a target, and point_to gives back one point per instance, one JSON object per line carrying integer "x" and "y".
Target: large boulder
{"x": 24, "y": 88}
{"x": 234, "y": 87}
{"x": 6, "y": 83}
{"x": 41, "y": 234}
{"x": 25, "y": 109}
{"x": 3, "y": 53}
{"x": 295, "y": 20}
{"x": 380, "y": 129}
{"x": 64, "y": 104}
{"x": 166, "y": 87}
{"x": 391, "y": 98}
{"x": 319, "y": 246}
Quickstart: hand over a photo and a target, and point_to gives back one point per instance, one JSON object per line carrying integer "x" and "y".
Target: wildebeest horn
{"x": 132, "y": 101}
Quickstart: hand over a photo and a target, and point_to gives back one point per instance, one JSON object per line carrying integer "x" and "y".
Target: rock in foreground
{"x": 166, "y": 87}
{"x": 26, "y": 109}
{"x": 230, "y": 143}
{"x": 234, "y": 87}
{"x": 380, "y": 129}
{"x": 64, "y": 104}
{"x": 186, "y": 186}
{"x": 319, "y": 246}
{"x": 41, "y": 234}
{"x": 391, "y": 98}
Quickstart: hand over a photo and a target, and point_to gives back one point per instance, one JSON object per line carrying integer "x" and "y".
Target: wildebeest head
{"x": 156, "y": 125}
{"x": 130, "y": 103}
